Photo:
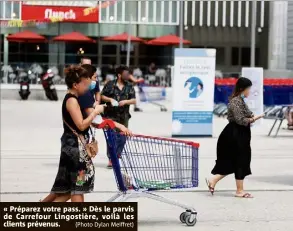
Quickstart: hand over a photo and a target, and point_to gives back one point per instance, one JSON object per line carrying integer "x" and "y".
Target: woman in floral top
{"x": 233, "y": 148}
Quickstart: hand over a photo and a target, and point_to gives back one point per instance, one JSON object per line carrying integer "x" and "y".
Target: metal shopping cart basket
{"x": 143, "y": 164}
{"x": 152, "y": 94}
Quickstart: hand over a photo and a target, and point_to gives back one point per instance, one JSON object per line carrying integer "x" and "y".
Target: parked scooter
{"x": 24, "y": 82}
{"x": 48, "y": 85}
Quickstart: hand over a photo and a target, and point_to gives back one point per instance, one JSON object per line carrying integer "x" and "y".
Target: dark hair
{"x": 241, "y": 84}
{"x": 74, "y": 74}
{"x": 90, "y": 69}
{"x": 120, "y": 69}
{"x": 201, "y": 85}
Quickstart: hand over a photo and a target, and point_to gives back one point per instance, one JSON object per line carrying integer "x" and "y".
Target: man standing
{"x": 85, "y": 60}
{"x": 120, "y": 94}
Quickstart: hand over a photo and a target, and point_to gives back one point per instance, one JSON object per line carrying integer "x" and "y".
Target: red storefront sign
{"x": 66, "y": 13}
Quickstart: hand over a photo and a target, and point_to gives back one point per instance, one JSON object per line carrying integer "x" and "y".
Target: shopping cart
{"x": 143, "y": 164}
{"x": 152, "y": 94}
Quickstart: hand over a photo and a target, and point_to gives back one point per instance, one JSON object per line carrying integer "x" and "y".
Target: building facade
{"x": 224, "y": 25}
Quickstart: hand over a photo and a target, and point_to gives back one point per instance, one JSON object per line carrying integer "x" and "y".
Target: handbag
{"x": 92, "y": 147}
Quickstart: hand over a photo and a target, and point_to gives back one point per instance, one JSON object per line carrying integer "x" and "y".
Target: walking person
{"x": 76, "y": 172}
{"x": 233, "y": 147}
{"x": 92, "y": 97}
{"x": 120, "y": 94}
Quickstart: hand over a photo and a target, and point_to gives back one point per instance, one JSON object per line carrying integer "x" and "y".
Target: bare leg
{"x": 62, "y": 198}
{"x": 239, "y": 185}
{"x": 215, "y": 179}
{"x": 50, "y": 198}
{"x": 240, "y": 190}
{"x": 77, "y": 198}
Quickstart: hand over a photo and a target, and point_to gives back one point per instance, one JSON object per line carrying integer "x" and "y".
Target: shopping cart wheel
{"x": 183, "y": 217}
{"x": 163, "y": 109}
{"x": 190, "y": 221}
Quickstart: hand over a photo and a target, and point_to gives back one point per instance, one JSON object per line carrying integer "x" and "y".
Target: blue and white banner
{"x": 255, "y": 100}
{"x": 193, "y": 92}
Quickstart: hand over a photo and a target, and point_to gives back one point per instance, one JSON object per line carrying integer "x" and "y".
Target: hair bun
{"x": 72, "y": 69}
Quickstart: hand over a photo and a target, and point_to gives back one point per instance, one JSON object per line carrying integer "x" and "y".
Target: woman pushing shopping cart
{"x": 144, "y": 164}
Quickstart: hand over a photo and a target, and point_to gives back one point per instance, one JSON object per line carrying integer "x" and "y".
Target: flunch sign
{"x": 59, "y": 13}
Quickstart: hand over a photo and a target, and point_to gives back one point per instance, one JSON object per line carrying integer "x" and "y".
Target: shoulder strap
{"x": 70, "y": 127}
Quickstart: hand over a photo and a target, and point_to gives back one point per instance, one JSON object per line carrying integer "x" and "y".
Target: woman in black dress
{"x": 76, "y": 171}
{"x": 233, "y": 148}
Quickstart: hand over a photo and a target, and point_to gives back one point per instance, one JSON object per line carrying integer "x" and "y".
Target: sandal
{"x": 244, "y": 195}
{"x": 211, "y": 189}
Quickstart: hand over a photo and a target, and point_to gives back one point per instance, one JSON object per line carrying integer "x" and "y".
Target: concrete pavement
{"x": 30, "y": 148}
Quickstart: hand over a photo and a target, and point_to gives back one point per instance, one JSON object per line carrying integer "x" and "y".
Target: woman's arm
{"x": 123, "y": 129}
{"x": 73, "y": 108}
{"x": 98, "y": 97}
{"x": 106, "y": 99}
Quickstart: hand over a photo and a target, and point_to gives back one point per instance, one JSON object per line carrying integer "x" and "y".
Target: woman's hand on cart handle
{"x": 123, "y": 129}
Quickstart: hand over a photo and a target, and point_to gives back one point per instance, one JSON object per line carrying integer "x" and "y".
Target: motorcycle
{"x": 48, "y": 85}
{"x": 24, "y": 82}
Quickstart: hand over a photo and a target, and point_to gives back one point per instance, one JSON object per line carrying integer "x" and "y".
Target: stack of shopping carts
{"x": 277, "y": 92}
{"x": 143, "y": 164}
{"x": 154, "y": 95}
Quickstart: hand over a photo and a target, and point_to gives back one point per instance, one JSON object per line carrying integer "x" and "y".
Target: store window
{"x": 1, "y": 9}
{"x": 141, "y": 12}
{"x": 246, "y": 58}
{"x": 235, "y": 56}
{"x": 220, "y": 55}
{"x": 9, "y": 10}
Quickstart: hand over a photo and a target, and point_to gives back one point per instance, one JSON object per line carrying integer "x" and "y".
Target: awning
{"x": 167, "y": 40}
{"x": 73, "y": 37}
{"x": 26, "y": 36}
{"x": 122, "y": 38}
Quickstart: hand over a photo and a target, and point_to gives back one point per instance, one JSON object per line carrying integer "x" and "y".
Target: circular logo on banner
{"x": 195, "y": 87}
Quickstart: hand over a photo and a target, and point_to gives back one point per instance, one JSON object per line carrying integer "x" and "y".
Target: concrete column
{"x": 5, "y": 50}
{"x": 53, "y": 54}
{"x": 277, "y": 57}
{"x": 56, "y": 54}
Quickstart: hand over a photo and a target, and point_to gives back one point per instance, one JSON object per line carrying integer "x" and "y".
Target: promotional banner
{"x": 193, "y": 92}
{"x": 255, "y": 100}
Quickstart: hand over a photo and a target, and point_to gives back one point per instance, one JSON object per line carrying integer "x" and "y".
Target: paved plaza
{"x": 30, "y": 148}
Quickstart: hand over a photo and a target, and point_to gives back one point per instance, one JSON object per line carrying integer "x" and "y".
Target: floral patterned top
{"x": 239, "y": 112}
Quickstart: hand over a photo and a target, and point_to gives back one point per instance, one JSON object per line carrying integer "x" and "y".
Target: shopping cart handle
{"x": 106, "y": 124}
{"x": 140, "y": 81}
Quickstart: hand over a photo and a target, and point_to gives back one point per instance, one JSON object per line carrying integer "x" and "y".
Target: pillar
{"x": 277, "y": 57}
{"x": 57, "y": 54}
{"x": 5, "y": 50}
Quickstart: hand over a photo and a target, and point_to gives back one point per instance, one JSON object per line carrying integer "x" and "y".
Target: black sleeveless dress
{"x": 76, "y": 171}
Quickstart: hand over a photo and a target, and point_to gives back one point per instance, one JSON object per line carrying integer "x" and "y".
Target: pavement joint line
{"x": 161, "y": 191}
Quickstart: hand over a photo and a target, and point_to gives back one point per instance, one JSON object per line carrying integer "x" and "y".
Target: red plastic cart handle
{"x": 107, "y": 123}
